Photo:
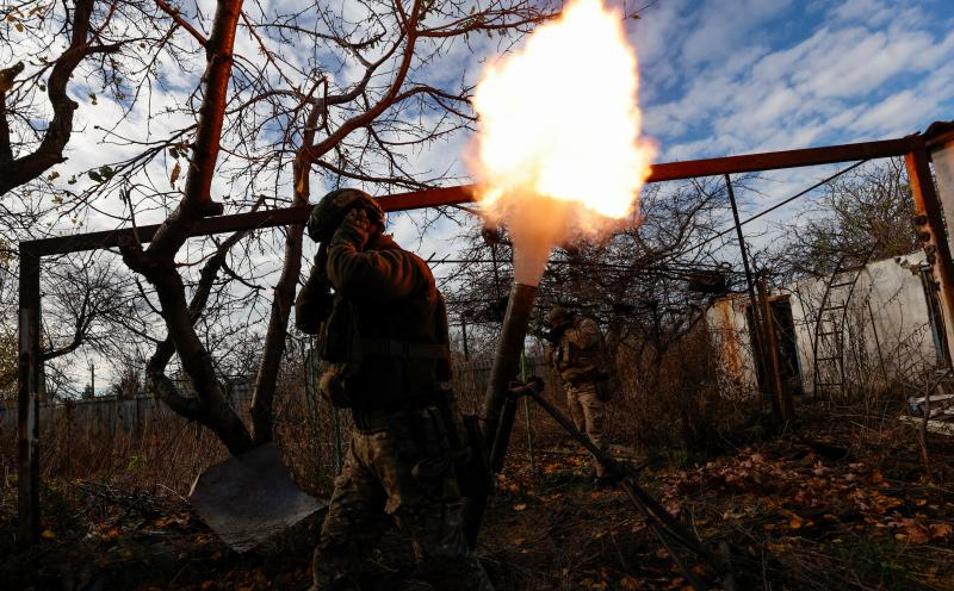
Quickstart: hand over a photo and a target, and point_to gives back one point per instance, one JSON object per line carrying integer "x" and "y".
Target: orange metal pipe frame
{"x": 30, "y": 356}
{"x": 464, "y": 193}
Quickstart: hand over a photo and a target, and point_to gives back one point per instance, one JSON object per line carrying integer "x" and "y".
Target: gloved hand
{"x": 355, "y": 228}
{"x": 331, "y": 384}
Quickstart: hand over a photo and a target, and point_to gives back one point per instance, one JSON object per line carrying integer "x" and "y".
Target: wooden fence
{"x": 107, "y": 415}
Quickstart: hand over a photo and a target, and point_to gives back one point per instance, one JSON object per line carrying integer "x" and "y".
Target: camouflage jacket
{"x": 578, "y": 356}
{"x": 382, "y": 295}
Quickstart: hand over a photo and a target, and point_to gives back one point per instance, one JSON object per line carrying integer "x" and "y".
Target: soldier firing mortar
{"x": 385, "y": 356}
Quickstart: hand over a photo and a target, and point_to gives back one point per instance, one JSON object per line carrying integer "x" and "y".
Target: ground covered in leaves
{"x": 846, "y": 502}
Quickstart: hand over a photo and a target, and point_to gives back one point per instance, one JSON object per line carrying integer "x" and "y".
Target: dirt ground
{"x": 848, "y": 503}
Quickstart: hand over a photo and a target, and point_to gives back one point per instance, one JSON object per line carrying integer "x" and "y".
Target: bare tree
{"x": 641, "y": 282}
{"x": 864, "y": 215}
{"x": 63, "y": 54}
{"x": 8, "y": 343}
{"x": 29, "y": 152}
{"x": 73, "y": 47}
{"x": 283, "y": 109}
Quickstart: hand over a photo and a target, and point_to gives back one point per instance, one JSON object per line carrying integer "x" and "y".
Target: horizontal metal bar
{"x": 465, "y": 193}
{"x": 240, "y": 221}
{"x": 785, "y": 159}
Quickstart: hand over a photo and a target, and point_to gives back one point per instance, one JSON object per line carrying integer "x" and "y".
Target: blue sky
{"x": 725, "y": 77}
{"x": 731, "y": 76}
{"x": 718, "y": 77}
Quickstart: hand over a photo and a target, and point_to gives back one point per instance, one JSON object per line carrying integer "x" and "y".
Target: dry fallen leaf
{"x": 917, "y": 535}
{"x": 628, "y": 583}
{"x": 941, "y": 530}
{"x": 520, "y": 507}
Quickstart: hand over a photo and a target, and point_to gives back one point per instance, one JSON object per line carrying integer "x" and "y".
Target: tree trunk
{"x": 157, "y": 264}
{"x": 18, "y": 171}
{"x": 267, "y": 378}
{"x": 215, "y": 410}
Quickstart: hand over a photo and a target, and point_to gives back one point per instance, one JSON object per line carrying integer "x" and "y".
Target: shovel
{"x": 249, "y": 499}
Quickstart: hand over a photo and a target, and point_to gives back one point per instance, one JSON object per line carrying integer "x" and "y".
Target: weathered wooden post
{"x": 30, "y": 364}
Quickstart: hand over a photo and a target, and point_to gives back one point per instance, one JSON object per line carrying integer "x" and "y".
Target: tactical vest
{"x": 388, "y": 352}
{"x": 577, "y": 364}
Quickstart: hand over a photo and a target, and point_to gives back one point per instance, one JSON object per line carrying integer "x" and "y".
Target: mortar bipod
{"x": 667, "y": 528}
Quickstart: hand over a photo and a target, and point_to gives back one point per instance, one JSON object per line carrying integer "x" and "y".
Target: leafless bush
{"x": 154, "y": 447}
{"x": 675, "y": 400}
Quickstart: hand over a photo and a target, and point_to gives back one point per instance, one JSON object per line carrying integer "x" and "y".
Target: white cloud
{"x": 724, "y": 26}
{"x": 872, "y": 12}
{"x": 854, "y": 76}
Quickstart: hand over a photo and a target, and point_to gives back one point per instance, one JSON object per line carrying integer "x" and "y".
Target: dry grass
{"x": 548, "y": 529}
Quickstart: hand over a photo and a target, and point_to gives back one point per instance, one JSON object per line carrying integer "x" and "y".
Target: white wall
{"x": 887, "y": 335}
{"x": 728, "y": 329}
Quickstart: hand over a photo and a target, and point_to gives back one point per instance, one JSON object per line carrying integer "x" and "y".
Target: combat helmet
{"x": 331, "y": 210}
{"x": 558, "y": 315}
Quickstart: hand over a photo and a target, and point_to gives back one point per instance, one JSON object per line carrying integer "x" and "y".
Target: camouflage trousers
{"x": 398, "y": 475}
{"x": 589, "y": 414}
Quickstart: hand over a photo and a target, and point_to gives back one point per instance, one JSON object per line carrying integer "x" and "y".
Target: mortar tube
{"x": 495, "y": 429}
{"x": 505, "y": 368}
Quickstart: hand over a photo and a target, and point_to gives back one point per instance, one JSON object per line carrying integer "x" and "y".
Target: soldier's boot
{"x": 464, "y": 573}
{"x": 334, "y": 568}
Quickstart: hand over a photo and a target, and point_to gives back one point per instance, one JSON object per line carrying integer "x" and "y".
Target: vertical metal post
{"x": 756, "y": 332}
{"x": 524, "y": 376}
{"x": 30, "y": 371}
{"x": 877, "y": 340}
{"x": 930, "y": 220}
{"x": 782, "y": 399}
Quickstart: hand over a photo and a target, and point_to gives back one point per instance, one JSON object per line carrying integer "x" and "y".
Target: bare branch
{"x": 177, "y": 17}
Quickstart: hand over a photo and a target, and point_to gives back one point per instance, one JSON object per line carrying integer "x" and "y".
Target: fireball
{"x": 558, "y": 152}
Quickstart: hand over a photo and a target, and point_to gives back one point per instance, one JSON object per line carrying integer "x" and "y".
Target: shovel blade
{"x": 251, "y": 498}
